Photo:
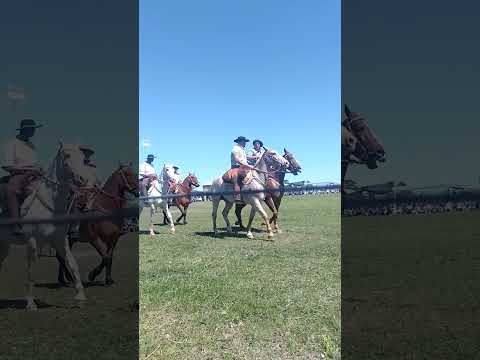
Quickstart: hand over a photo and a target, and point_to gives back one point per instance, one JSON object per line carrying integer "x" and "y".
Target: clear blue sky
{"x": 213, "y": 70}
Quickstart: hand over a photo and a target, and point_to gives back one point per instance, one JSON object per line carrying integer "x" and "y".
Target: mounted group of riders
{"x": 21, "y": 163}
{"x": 241, "y": 163}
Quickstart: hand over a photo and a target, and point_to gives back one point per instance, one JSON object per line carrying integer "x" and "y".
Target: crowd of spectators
{"x": 413, "y": 207}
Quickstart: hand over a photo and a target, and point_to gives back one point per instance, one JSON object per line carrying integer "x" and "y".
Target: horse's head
{"x": 69, "y": 163}
{"x": 349, "y": 142}
{"x": 293, "y": 165}
{"x": 368, "y": 148}
{"x": 126, "y": 179}
{"x": 192, "y": 180}
{"x": 274, "y": 160}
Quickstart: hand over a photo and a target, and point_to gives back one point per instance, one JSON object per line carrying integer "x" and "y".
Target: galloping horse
{"x": 359, "y": 141}
{"x": 154, "y": 199}
{"x": 47, "y": 199}
{"x": 276, "y": 179}
{"x": 182, "y": 203}
{"x": 258, "y": 182}
{"x": 103, "y": 235}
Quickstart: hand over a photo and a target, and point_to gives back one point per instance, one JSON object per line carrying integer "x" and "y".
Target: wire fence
{"x": 285, "y": 189}
{"x": 94, "y": 216}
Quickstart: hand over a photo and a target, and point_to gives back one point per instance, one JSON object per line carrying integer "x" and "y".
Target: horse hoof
{"x": 152, "y": 233}
{"x": 80, "y": 297}
{"x": 65, "y": 284}
{"x": 109, "y": 282}
{"x": 237, "y": 223}
{"x": 31, "y": 306}
{"x": 172, "y": 231}
{"x": 270, "y": 235}
{"x": 250, "y": 235}
{"x": 279, "y": 231}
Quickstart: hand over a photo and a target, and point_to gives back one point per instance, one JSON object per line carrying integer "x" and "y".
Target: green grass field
{"x": 228, "y": 297}
{"x": 410, "y": 286}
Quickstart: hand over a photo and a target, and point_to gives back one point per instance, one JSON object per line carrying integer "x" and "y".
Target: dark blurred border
{"x": 72, "y": 66}
{"x": 410, "y": 239}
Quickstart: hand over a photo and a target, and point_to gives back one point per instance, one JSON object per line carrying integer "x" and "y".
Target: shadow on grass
{"x": 237, "y": 233}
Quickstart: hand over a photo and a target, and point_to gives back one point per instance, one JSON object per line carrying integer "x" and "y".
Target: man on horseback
{"x": 239, "y": 165}
{"x": 21, "y": 163}
{"x": 256, "y": 153}
{"x": 87, "y": 189}
{"x": 147, "y": 174}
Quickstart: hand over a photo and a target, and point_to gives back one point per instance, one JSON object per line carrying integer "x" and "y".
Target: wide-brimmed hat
{"x": 28, "y": 123}
{"x": 257, "y": 141}
{"x": 241, "y": 138}
{"x": 86, "y": 148}
{"x": 151, "y": 156}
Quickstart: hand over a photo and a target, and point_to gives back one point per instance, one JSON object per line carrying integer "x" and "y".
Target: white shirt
{"x": 146, "y": 169}
{"x": 89, "y": 173}
{"x": 238, "y": 153}
{"x": 18, "y": 153}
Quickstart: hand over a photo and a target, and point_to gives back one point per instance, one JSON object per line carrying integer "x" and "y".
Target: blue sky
{"x": 213, "y": 70}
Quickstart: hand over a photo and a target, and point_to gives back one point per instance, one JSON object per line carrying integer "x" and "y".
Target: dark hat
{"x": 151, "y": 156}
{"x": 241, "y": 138}
{"x": 257, "y": 141}
{"x": 28, "y": 123}
{"x": 86, "y": 148}
{"x": 176, "y": 167}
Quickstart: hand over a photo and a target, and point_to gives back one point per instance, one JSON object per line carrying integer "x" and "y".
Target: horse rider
{"x": 256, "y": 153}
{"x": 20, "y": 162}
{"x": 239, "y": 165}
{"x": 90, "y": 180}
{"x": 147, "y": 174}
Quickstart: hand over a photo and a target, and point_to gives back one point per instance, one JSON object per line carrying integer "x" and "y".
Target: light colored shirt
{"x": 89, "y": 174}
{"x": 256, "y": 153}
{"x": 19, "y": 154}
{"x": 146, "y": 169}
{"x": 238, "y": 153}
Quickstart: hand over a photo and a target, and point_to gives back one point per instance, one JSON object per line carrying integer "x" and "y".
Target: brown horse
{"x": 359, "y": 143}
{"x": 276, "y": 179}
{"x": 103, "y": 235}
{"x": 182, "y": 202}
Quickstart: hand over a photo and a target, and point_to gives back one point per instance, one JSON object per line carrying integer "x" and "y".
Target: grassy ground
{"x": 410, "y": 287}
{"x": 232, "y": 298}
{"x": 106, "y": 327}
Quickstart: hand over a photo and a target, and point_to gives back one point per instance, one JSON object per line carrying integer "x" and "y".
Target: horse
{"x": 257, "y": 182}
{"x": 103, "y": 235}
{"x": 48, "y": 198}
{"x": 155, "y": 200}
{"x": 359, "y": 141}
{"x": 276, "y": 178}
{"x": 182, "y": 203}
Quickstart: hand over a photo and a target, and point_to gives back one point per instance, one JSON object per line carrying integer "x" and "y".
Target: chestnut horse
{"x": 276, "y": 179}
{"x": 103, "y": 235}
{"x": 359, "y": 141}
{"x": 182, "y": 203}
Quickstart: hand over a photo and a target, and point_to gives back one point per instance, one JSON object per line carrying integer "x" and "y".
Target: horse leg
{"x": 152, "y": 213}
{"x": 185, "y": 214}
{"x": 238, "y": 213}
{"x": 273, "y": 208}
{"x": 63, "y": 271}
{"x": 170, "y": 218}
{"x": 215, "y": 203}
{"x": 32, "y": 257}
{"x": 182, "y": 213}
{"x": 109, "y": 259}
{"x": 250, "y": 221}
{"x": 165, "y": 218}
{"x": 263, "y": 213}
{"x": 102, "y": 251}
{"x": 226, "y": 210}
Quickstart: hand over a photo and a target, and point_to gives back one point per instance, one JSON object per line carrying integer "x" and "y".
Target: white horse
{"x": 49, "y": 197}
{"x": 257, "y": 183}
{"x": 156, "y": 190}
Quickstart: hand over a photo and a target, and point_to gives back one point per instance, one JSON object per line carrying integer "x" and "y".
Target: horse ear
{"x": 347, "y": 111}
